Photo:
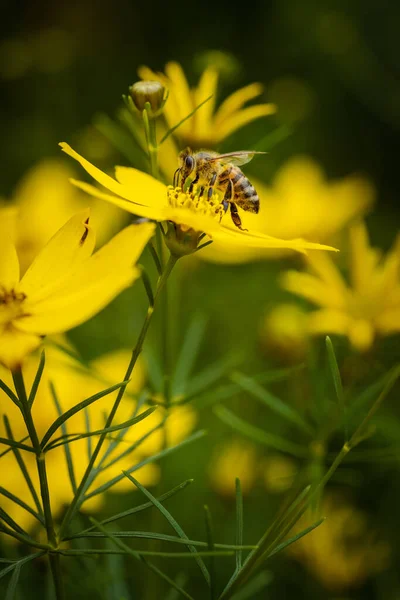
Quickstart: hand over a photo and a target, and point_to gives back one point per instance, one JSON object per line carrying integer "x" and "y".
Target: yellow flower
{"x": 73, "y": 383}
{"x": 367, "y": 306}
{"x": 284, "y": 333}
{"x": 42, "y": 202}
{"x": 146, "y": 197}
{"x": 278, "y": 472}
{"x": 237, "y": 458}
{"x": 206, "y": 127}
{"x": 342, "y": 552}
{"x": 301, "y": 203}
{"x": 64, "y": 285}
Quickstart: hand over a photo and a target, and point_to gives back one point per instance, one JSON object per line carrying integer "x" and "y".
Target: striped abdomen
{"x": 244, "y": 193}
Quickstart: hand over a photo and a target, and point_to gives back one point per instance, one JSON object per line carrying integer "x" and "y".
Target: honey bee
{"x": 221, "y": 171}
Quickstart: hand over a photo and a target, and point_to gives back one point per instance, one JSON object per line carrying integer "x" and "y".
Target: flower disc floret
{"x": 196, "y": 202}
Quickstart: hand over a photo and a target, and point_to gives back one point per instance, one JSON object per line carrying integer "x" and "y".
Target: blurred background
{"x": 332, "y": 68}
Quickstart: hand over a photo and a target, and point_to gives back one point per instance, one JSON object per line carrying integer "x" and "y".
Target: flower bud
{"x": 181, "y": 241}
{"x": 152, "y": 92}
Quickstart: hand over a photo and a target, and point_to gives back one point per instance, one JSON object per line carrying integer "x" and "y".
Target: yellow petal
{"x": 15, "y": 345}
{"x": 105, "y": 180}
{"x": 328, "y": 321}
{"x": 148, "y": 190}
{"x": 92, "y": 286}
{"x": 311, "y": 288}
{"x": 389, "y": 321}
{"x": 180, "y": 88}
{"x": 324, "y": 267}
{"x": 245, "y": 116}
{"x": 148, "y": 212}
{"x": 235, "y": 101}
{"x": 203, "y": 117}
{"x": 9, "y": 265}
{"x": 361, "y": 334}
{"x": 71, "y": 245}
{"x": 258, "y": 240}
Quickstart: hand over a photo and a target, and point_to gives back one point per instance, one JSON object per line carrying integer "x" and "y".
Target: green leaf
{"x": 12, "y": 586}
{"x": 14, "y": 444}
{"x": 273, "y": 138}
{"x": 37, "y": 380}
{"x": 258, "y": 435}
{"x": 211, "y": 546}
{"x": 68, "y": 438}
{"x": 181, "y": 580}
{"x": 106, "y": 486}
{"x": 274, "y": 403}
{"x": 75, "y": 409}
{"x": 296, "y": 537}
{"x": 239, "y": 523}
{"x": 21, "y": 562}
{"x": 172, "y": 522}
{"x": 175, "y": 127}
{"x": 21, "y": 503}
{"x": 67, "y": 450}
{"x": 24, "y": 470}
{"x": 188, "y": 354}
{"x": 10, "y": 393}
{"x": 337, "y": 382}
{"x": 136, "y": 555}
{"x": 258, "y": 583}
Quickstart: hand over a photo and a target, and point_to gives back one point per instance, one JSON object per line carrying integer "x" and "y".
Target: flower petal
{"x": 203, "y": 117}
{"x": 93, "y": 285}
{"x": 9, "y": 265}
{"x": 312, "y": 289}
{"x": 15, "y": 345}
{"x": 148, "y": 212}
{"x": 328, "y": 320}
{"x": 71, "y": 245}
{"x": 148, "y": 190}
{"x": 245, "y": 116}
{"x": 235, "y": 101}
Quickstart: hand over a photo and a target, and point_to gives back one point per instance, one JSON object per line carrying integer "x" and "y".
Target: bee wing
{"x": 237, "y": 158}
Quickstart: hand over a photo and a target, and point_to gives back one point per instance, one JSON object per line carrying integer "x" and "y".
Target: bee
{"x": 220, "y": 171}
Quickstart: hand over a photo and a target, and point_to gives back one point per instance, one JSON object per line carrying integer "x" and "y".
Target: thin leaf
{"x": 275, "y": 404}
{"x": 68, "y": 438}
{"x": 239, "y": 523}
{"x": 258, "y": 583}
{"x": 128, "y": 550}
{"x": 9, "y": 449}
{"x": 88, "y": 430}
{"x": 337, "y": 382}
{"x": 106, "y": 486}
{"x": 67, "y": 450}
{"x": 21, "y": 562}
{"x": 258, "y": 435}
{"x": 172, "y": 522}
{"x": 136, "y": 509}
{"x": 4, "y": 516}
{"x": 12, "y": 586}
{"x": 24, "y": 470}
{"x": 210, "y": 543}
{"x": 181, "y": 580}
{"x": 175, "y": 127}
{"x": 37, "y": 380}
{"x": 20, "y": 503}
{"x": 296, "y": 537}
{"x": 14, "y": 444}
{"x": 147, "y": 285}
{"x": 10, "y": 393}
{"x": 188, "y": 354}
{"x": 75, "y": 409}
{"x": 273, "y": 138}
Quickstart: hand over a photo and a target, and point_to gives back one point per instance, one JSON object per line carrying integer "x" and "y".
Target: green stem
{"x": 151, "y": 139}
{"x": 43, "y": 481}
{"x": 86, "y": 481}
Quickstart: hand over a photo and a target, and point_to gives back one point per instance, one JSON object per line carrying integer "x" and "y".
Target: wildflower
{"x": 367, "y": 306}
{"x": 190, "y": 214}
{"x": 152, "y": 92}
{"x": 42, "y": 202}
{"x": 342, "y": 552}
{"x": 301, "y": 203}
{"x": 73, "y": 383}
{"x": 278, "y": 472}
{"x": 237, "y": 458}
{"x": 64, "y": 285}
{"x": 206, "y": 127}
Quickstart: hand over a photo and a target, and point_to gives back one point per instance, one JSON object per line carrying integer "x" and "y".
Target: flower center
{"x": 196, "y": 201}
{"x": 10, "y": 305}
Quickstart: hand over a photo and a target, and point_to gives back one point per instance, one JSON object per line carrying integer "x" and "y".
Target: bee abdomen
{"x": 246, "y": 196}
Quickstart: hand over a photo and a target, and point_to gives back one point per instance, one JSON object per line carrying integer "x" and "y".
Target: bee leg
{"x": 211, "y": 186}
{"x": 195, "y": 180}
{"x": 235, "y": 217}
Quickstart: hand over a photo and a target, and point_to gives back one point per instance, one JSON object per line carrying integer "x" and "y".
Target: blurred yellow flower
{"x": 236, "y": 458}
{"x": 301, "y": 203}
{"x": 64, "y": 285}
{"x": 342, "y": 552}
{"x": 146, "y": 197}
{"x": 367, "y": 306}
{"x": 73, "y": 383}
{"x": 206, "y": 127}
{"x": 42, "y": 202}
{"x": 284, "y": 333}
{"x": 278, "y": 472}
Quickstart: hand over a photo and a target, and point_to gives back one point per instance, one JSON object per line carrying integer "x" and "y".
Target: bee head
{"x": 186, "y": 165}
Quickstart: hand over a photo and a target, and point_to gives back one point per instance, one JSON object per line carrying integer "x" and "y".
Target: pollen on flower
{"x": 12, "y": 303}
{"x": 196, "y": 201}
